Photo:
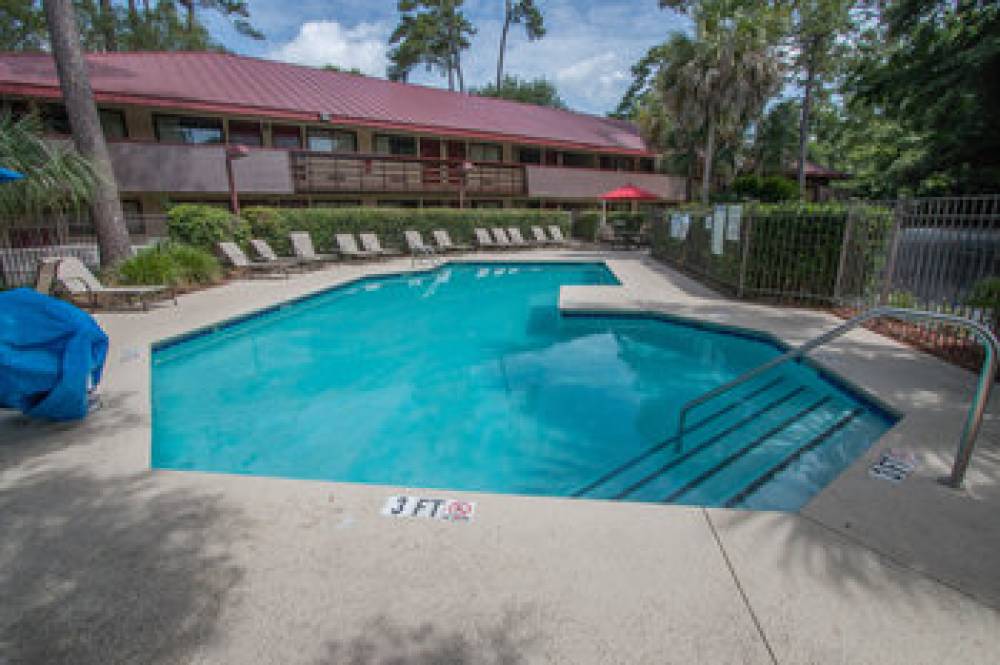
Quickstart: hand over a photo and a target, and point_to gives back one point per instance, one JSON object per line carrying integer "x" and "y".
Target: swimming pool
{"x": 467, "y": 377}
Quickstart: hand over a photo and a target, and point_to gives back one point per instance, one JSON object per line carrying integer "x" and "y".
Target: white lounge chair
{"x": 415, "y": 243}
{"x": 445, "y": 244}
{"x": 500, "y": 237}
{"x": 349, "y": 248}
{"x": 242, "y": 264}
{"x": 483, "y": 239}
{"x": 302, "y": 246}
{"x": 372, "y": 245}
{"x": 76, "y": 280}
{"x": 516, "y": 239}
{"x": 540, "y": 237}
{"x": 268, "y": 255}
{"x": 557, "y": 234}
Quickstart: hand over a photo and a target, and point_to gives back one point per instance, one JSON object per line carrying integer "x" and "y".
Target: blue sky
{"x": 587, "y": 51}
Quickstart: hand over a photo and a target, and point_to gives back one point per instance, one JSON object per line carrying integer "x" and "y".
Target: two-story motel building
{"x": 326, "y": 138}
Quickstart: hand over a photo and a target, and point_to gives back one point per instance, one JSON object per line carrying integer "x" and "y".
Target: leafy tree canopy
{"x": 538, "y": 91}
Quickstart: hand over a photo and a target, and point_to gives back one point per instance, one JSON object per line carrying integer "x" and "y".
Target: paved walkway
{"x": 104, "y": 561}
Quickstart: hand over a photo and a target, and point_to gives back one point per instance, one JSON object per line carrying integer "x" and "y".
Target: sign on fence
{"x": 679, "y": 226}
{"x": 718, "y": 229}
{"x": 734, "y": 213}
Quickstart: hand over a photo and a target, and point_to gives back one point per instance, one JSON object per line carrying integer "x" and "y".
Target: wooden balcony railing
{"x": 315, "y": 172}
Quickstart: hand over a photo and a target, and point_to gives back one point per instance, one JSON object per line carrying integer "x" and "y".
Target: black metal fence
{"x": 23, "y": 244}
{"x": 921, "y": 253}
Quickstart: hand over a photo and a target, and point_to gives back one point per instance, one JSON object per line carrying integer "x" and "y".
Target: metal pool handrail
{"x": 987, "y": 374}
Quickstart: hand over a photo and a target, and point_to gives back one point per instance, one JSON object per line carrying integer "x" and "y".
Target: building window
{"x": 392, "y": 144}
{"x": 390, "y": 203}
{"x": 242, "y": 132}
{"x": 647, "y": 165}
{"x": 485, "y": 152}
{"x": 616, "y": 163}
{"x": 331, "y": 140}
{"x": 529, "y": 155}
{"x": 577, "y": 160}
{"x": 487, "y": 204}
{"x": 288, "y": 137}
{"x": 55, "y": 120}
{"x": 187, "y": 129}
{"x": 113, "y": 124}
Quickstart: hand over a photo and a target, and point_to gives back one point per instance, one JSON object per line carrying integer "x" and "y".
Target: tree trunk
{"x": 708, "y": 157}
{"x": 189, "y": 4}
{"x": 451, "y": 73}
{"x": 804, "y": 124}
{"x": 503, "y": 42}
{"x": 108, "y": 26}
{"x": 458, "y": 71}
{"x": 106, "y": 208}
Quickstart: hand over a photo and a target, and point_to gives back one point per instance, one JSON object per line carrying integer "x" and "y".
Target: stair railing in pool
{"x": 974, "y": 420}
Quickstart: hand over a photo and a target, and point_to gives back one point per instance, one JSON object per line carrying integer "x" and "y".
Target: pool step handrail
{"x": 987, "y": 374}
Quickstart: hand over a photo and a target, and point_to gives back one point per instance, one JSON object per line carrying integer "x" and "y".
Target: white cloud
{"x": 321, "y": 43}
{"x": 599, "y": 79}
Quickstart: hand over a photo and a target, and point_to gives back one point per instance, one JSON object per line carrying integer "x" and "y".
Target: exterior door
{"x": 430, "y": 149}
{"x": 456, "y": 155}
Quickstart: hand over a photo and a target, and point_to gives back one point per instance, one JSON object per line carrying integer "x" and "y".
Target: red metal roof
{"x": 229, "y": 83}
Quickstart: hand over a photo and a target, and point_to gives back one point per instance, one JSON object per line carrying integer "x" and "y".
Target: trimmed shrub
{"x": 769, "y": 189}
{"x": 274, "y": 224}
{"x": 585, "y": 225}
{"x": 172, "y": 264}
{"x": 203, "y": 226}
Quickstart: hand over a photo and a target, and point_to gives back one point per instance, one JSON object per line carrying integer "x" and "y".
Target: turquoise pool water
{"x": 468, "y": 378}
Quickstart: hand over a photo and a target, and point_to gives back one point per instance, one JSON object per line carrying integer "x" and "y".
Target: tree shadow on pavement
{"x": 510, "y": 641}
{"x": 103, "y": 571}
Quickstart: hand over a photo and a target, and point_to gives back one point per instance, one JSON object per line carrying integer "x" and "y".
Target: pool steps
{"x": 738, "y": 449}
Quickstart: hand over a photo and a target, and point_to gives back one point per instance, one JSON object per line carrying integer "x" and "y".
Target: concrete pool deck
{"x": 103, "y": 560}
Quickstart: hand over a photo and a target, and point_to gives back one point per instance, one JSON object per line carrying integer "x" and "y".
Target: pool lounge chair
{"x": 500, "y": 237}
{"x": 516, "y": 239}
{"x": 302, "y": 246}
{"x": 557, "y": 235}
{"x": 76, "y": 280}
{"x": 483, "y": 239}
{"x": 372, "y": 244}
{"x": 415, "y": 243}
{"x": 235, "y": 256}
{"x": 349, "y": 248}
{"x": 445, "y": 244}
{"x": 268, "y": 255}
{"x": 540, "y": 237}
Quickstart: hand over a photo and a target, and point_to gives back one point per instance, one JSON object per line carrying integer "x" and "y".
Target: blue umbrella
{"x": 6, "y": 175}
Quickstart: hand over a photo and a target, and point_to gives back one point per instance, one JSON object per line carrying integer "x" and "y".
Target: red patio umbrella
{"x": 629, "y": 192}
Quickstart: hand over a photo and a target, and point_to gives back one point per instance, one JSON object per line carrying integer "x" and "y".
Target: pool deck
{"x": 104, "y": 561}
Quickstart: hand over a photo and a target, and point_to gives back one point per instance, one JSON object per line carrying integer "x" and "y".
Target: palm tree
{"x": 714, "y": 85}
{"x": 105, "y": 207}
{"x": 518, "y": 12}
{"x": 56, "y": 178}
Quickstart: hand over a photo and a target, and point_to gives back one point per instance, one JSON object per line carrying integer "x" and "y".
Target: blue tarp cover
{"x": 50, "y": 354}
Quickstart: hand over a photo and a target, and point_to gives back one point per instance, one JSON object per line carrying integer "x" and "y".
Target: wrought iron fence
{"x": 921, "y": 253}
{"x": 24, "y": 243}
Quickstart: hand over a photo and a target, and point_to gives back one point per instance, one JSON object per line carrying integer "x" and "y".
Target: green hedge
{"x": 203, "y": 226}
{"x": 274, "y": 224}
{"x": 795, "y": 248}
{"x": 172, "y": 264}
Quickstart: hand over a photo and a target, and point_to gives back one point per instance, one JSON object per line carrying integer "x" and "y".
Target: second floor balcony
{"x": 315, "y": 172}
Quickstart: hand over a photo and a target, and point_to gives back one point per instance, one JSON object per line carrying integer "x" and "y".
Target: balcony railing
{"x": 314, "y": 172}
